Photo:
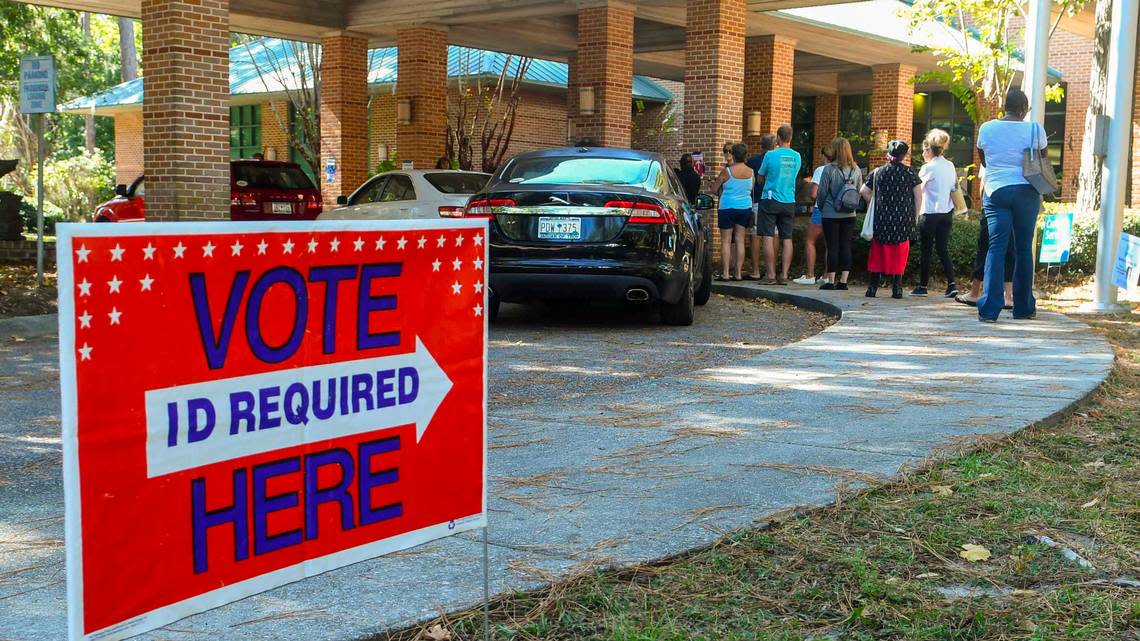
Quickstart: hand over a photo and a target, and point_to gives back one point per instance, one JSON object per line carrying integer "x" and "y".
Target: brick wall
{"x": 128, "y": 146}
{"x": 826, "y": 124}
{"x": 604, "y": 61}
{"x": 24, "y": 252}
{"x": 186, "y": 136}
{"x": 768, "y": 82}
{"x": 892, "y": 107}
{"x": 382, "y": 126}
{"x": 275, "y": 129}
{"x": 1071, "y": 54}
{"x": 714, "y": 82}
{"x": 661, "y": 127}
{"x": 422, "y": 61}
{"x": 344, "y": 100}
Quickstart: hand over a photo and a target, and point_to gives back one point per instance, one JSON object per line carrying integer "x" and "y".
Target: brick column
{"x": 604, "y": 61}
{"x": 826, "y": 123}
{"x": 186, "y": 134}
{"x": 892, "y": 107}
{"x": 572, "y": 98}
{"x": 768, "y": 72}
{"x": 344, "y": 114}
{"x": 714, "y": 84}
{"x": 422, "y": 77}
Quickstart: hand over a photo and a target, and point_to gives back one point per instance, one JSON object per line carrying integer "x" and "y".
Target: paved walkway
{"x": 652, "y": 467}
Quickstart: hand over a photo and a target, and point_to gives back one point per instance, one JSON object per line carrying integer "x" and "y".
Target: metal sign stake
{"x": 486, "y": 588}
{"x": 40, "y": 201}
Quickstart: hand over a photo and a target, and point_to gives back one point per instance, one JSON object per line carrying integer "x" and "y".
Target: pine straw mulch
{"x": 19, "y": 295}
{"x": 887, "y": 563}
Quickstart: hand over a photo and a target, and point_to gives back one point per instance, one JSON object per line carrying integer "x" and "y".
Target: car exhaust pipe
{"x": 637, "y": 294}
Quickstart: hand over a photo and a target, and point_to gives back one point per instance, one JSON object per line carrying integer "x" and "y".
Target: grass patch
{"x": 884, "y": 564}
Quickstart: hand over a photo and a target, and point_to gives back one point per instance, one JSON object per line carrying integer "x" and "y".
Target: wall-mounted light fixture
{"x": 753, "y": 125}
{"x": 271, "y": 153}
{"x": 586, "y": 101}
{"x": 382, "y": 152}
{"x": 404, "y": 111}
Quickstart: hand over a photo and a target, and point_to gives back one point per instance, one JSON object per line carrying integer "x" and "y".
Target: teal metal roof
{"x": 268, "y": 65}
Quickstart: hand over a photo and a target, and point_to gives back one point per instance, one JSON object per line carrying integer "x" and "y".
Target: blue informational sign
{"x": 37, "y": 85}
{"x": 1126, "y": 272}
{"x": 1056, "y": 238}
{"x": 330, "y": 169}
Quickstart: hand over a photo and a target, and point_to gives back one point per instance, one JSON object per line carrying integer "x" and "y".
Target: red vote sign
{"x": 249, "y": 404}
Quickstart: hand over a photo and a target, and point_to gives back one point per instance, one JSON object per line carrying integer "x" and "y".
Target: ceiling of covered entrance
{"x": 537, "y": 28}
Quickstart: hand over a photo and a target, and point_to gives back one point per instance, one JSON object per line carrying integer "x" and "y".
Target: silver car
{"x": 409, "y": 194}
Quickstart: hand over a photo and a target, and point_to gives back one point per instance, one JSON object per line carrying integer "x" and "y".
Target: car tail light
{"x": 312, "y": 202}
{"x": 449, "y": 211}
{"x": 242, "y": 199}
{"x": 645, "y": 212}
{"x": 484, "y": 208}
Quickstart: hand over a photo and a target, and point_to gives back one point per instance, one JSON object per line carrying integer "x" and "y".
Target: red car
{"x": 259, "y": 190}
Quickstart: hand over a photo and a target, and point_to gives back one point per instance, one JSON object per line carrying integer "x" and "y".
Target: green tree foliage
{"x": 977, "y": 63}
{"x": 84, "y": 65}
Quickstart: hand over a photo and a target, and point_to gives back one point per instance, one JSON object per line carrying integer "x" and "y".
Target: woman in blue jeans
{"x": 1011, "y": 206}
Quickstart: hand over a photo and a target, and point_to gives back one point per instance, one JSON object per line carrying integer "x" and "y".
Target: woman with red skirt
{"x": 897, "y": 191}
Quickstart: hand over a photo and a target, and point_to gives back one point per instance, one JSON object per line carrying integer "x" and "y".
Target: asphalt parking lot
{"x": 542, "y": 358}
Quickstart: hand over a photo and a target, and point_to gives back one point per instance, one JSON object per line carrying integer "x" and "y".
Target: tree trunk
{"x": 127, "y": 51}
{"x": 88, "y": 119}
{"x": 1088, "y": 182}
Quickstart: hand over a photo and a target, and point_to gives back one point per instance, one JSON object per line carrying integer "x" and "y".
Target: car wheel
{"x": 681, "y": 312}
{"x": 704, "y": 291}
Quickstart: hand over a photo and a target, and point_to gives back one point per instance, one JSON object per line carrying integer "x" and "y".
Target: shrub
{"x": 77, "y": 184}
{"x": 52, "y": 215}
{"x": 963, "y": 245}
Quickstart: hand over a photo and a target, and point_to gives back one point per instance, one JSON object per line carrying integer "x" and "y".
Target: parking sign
{"x": 37, "y": 85}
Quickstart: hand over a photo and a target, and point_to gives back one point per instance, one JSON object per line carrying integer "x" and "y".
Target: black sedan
{"x": 595, "y": 224}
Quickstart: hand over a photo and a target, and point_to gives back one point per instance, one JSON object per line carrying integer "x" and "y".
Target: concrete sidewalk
{"x": 653, "y": 467}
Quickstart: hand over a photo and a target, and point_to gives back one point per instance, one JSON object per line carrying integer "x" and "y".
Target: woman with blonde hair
{"x": 939, "y": 178}
{"x": 837, "y": 198}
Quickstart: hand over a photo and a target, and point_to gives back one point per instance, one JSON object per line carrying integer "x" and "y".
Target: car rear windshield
{"x": 455, "y": 183}
{"x": 579, "y": 170}
{"x": 271, "y": 177}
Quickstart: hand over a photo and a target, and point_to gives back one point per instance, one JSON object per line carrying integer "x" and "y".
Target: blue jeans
{"x": 1011, "y": 209}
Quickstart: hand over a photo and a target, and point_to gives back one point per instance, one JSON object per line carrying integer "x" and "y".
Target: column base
{"x": 1103, "y": 309}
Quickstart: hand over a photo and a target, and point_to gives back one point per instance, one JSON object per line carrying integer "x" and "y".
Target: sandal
{"x": 966, "y": 301}
{"x": 720, "y": 277}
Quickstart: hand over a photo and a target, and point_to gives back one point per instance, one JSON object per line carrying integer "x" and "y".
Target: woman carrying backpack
{"x": 837, "y": 200}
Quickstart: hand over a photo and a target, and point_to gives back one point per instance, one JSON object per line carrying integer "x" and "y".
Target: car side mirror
{"x": 121, "y": 190}
{"x": 342, "y": 200}
{"x": 704, "y": 201}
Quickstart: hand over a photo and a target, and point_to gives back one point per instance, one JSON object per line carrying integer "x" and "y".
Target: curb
{"x": 29, "y": 326}
{"x": 802, "y": 301}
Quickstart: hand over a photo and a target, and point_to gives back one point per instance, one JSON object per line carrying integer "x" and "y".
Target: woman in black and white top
{"x": 938, "y": 179}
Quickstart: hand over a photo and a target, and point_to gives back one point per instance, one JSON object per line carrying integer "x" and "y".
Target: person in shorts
{"x": 779, "y": 171}
{"x": 815, "y": 227}
{"x": 767, "y": 143}
{"x": 734, "y": 212}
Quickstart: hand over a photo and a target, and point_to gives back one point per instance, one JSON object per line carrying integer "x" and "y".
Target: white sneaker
{"x": 823, "y": 281}
{"x": 804, "y": 280}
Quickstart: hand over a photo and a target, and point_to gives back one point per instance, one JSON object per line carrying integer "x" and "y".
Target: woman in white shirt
{"x": 1011, "y": 206}
{"x": 938, "y": 178}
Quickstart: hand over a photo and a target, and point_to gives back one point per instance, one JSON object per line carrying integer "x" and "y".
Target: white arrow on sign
{"x": 193, "y": 425}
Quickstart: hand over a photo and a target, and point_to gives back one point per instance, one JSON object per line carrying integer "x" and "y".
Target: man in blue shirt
{"x": 778, "y": 171}
{"x": 767, "y": 143}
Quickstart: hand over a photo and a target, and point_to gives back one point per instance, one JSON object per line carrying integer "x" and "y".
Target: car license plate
{"x": 282, "y": 208}
{"x": 559, "y": 228}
